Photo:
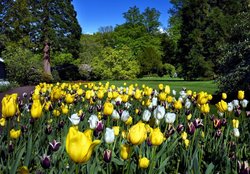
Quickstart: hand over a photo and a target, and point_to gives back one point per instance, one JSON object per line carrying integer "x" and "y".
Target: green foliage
{"x": 235, "y": 65}
{"x": 169, "y": 70}
{"x": 22, "y": 65}
{"x": 61, "y": 58}
{"x": 115, "y": 64}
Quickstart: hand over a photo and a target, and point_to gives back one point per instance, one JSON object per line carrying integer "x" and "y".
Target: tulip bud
{"x": 107, "y": 155}
{"x": 191, "y": 128}
{"x": 48, "y": 129}
{"x": 61, "y": 124}
{"x": 109, "y": 136}
{"x": 218, "y": 133}
{"x": 144, "y": 162}
{"x": 99, "y": 108}
{"x": 24, "y": 128}
{"x": 217, "y": 123}
{"x": 100, "y": 126}
{"x": 198, "y": 123}
{"x": 10, "y": 147}
{"x": 45, "y": 161}
{"x": 224, "y": 122}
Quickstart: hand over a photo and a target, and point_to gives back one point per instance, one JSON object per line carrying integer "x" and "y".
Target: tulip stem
{"x": 153, "y": 160}
{"x": 77, "y": 168}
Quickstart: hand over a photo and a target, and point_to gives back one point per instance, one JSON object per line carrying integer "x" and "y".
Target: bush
{"x": 22, "y": 65}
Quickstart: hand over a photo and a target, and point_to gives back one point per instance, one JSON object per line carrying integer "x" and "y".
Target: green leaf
{"x": 17, "y": 160}
{"x": 117, "y": 161}
{"x": 29, "y": 148}
{"x": 210, "y": 168}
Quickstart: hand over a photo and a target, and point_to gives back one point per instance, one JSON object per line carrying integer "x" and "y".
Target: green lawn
{"x": 177, "y": 84}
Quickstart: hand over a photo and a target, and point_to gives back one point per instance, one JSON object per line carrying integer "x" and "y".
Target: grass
{"x": 176, "y": 84}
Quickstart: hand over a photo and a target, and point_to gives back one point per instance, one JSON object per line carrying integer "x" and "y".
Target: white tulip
{"x": 187, "y": 104}
{"x": 174, "y": 92}
{"x": 75, "y": 119}
{"x": 244, "y": 103}
{"x": 146, "y": 115}
{"x": 127, "y": 105}
{"x": 93, "y": 120}
{"x": 154, "y": 101}
{"x": 159, "y": 112}
{"x": 236, "y": 132}
{"x": 230, "y": 106}
{"x": 236, "y": 103}
{"x": 115, "y": 115}
{"x": 125, "y": 116}
{"x": 109, "y": 135}
{"x": 170, "y": 117}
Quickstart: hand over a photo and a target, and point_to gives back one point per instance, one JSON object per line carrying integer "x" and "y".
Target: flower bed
{"x": 101, "y": 128}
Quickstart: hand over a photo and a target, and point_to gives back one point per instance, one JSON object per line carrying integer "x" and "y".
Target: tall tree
{"x": 133, "y": 16}
{"x": 151, "y": 19}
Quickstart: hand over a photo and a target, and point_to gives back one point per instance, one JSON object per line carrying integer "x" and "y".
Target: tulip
{"x": 15, "y": 133}
{"x": 125, "y": 151}
{"x": 93, "y": 120}
{"x": 137, "y": 134}
{"x": 180, "y": 128}
{"x": 177, "y": 104}
{"x": 224, "y": 96}
{"x": 144, "y": 163}
{"x": 75, "y": 119}
{"x": 56, "y": 113}
{"x": 146, "y": 115}
{"x": 65, "y": 109}
{"x": 205, "y": 108}
{"x": 235, "y": 123}
{"x": 186, "y": 142}
{"x": 162, "y": 96}
{"x": 125, "y": 116}
{"x": 54, "y": 145}
{"x": 109, "y": 136}
{"x": 116, "y": 130}
{"x": 36, "y": 109}
{"x": 129, "y": 121}
{"x": 108, "y": 108}
{"x": 244, "y": 103}
{"x": 170, "y": 117}
{"x": 154, "y": 101}
{"x": 236, "y": 132}
{"x": 159, "y": 112}
{"x": 69, "y": 98}
{"x": 9, "y": 105}
{"x": 222, "y": 106}
{"x": 115, "y": 115}
{"x": 137, "y": 94}
{"x": 241, "y": 95}
{"x": 2, "y": 122}
{"x": 107, "y": 155}
{"x": 184, "y": 135}
{"x": 230, "y": 107}
{"x": 100, "y": 126}
{"x": 187, "y": 104}
{"x": 198, "y": 123}
{"x": 191, "y": 128}
{"x": 23, "y": 170}
{"x": 167, "y": 89}
{"x": 79, "y": 91}
{"x": 45, "y": 161}
{"x": 236, "y": 103}
{"x": 79, "y": 145}
{"x": 156, "y": 137}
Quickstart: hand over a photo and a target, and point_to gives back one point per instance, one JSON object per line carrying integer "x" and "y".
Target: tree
{"x": 133, "y": 16}
{"x": 234, "y": 67}
{"x": 151, "y": 19}
{"x": 115, "y": 64}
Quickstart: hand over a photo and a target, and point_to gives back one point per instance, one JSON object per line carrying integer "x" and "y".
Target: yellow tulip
{"x": 222, "y": 106}
{"x": 143, "y": 163}
{"x": 160, "y": 86}
{"x": 2, "y": 122}
{"x": 65, "y": 109}
{"x": 56, "y": 112}
{"x": 137, "y": 134}
{"x": 69, "y": 98}
{"x": 79, "y": 91}
{"x": 241, "y": 95}
{"x": 48, "y": 105}
{"x": 167, "y": 89}
{"x": 162, "y": 96}
{"x": 224, "y": 96}
{"x": 15, "y": 133}
{"x": 125, "y": 98}
{"x": 205, "y": 108}
{"x": 9, "y": 105}
{"x": 156, "y": 137}
{"x": 79, "y": 145}
{"x": 129, "y": 121}
{"x": 36, "y": 94}
{"x": 36, "y": 109}
{"x": 108, "y": 108}
{"x": 202, "y": 98}
{"x": 137, "y": 94}
{"x": 169, "y": 99}
{"x": 23, "y": 170}
{"x": 184, "y": 135}
{"x": 125, "y": 151}
{"x": 177, "y": 104}
{"x": 235, "y": 123}
{"x": 116, "y": 130}
{"x": 186, "y": 142}
{"x": 100, "y": 94}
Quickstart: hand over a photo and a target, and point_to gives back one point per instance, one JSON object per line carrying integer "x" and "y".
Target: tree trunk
{"x": 46, "y": 59}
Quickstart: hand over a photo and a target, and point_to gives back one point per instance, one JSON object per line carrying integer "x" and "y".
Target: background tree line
{"x": 206, "y": 39}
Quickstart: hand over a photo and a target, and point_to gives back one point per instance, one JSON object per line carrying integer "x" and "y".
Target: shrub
{"x": 22, "y": 65}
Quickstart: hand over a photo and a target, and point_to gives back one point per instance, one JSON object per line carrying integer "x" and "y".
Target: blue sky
{"x": 93, "y": 14}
